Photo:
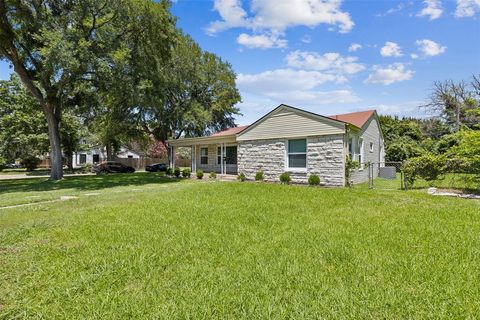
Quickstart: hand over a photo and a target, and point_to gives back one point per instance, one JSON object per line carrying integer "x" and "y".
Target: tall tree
{"x": 192, "y": 94}
{"x": 23, "y": 131}
{"x": 457, "y": 103}
{"x": 57, "y": 46}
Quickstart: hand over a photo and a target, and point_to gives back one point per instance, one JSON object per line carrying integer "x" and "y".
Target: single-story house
{"x": 292, "y": 140}
{"x": 99, "y": 154}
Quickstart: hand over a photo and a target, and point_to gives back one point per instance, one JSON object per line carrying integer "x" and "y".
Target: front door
{"x": 231, "y": 159}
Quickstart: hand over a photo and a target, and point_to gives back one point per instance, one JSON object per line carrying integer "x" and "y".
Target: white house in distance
{"x": 291, "y": 140}
{"x": 99, "y": 154}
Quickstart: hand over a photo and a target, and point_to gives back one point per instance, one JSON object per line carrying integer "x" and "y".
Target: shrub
{"x": 186, "y": 173}
{"x": 285, "y": 178}
{"x": 169, "y": 171}
{"x": 259, "y": 176}
{"x": 30, "y": 163}
{"x": 213, "y": 175}
{"x": 314, "y": 180}
{"x": 177, "y": 172}
{"x": 427, "y": 167}
{"x": 87, "y": 168}
{"x": 349, "y": 166}
{"x": 241, "y": 177}
{"x": 199, "y": 174}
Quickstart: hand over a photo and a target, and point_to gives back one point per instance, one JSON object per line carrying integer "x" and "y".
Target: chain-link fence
{"x": 386, "y": 175}
{"x": 448, "y": 175}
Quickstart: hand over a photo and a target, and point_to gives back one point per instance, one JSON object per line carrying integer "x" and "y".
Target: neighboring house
{"x": 291, "y": 140}
{"x": 99, "y": 154}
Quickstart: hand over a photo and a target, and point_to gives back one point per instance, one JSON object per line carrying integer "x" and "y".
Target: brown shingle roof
{"x": 356, "y": 118}
{"x": 230, "y": 131}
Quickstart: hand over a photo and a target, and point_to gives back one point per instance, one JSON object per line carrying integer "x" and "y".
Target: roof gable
{"x": 285, "y": 121}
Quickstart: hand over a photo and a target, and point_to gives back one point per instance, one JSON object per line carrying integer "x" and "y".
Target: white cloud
{"x": 467, "y": 8}
{"x": 405, "y": 109}
{"x": 433, "y": 9}
{"x": 315, "y": 98}
{"x": 390, "y": 74}
{"x": 391, "y": 49}
{"x": 354, "y": 47}
{"x": 398, "y": 8}
{"x": 329, "y": 62}
{"x": 261, "y": 41}
{"x": 430, "y": 48}
{"x": 279, "y": 80}
{"x": 306, "y": 38}
{"x": 414, "y": 56}
{"x": 277, "y": 16}
{"x": 232, "y": 14}
{"x": 296, "y": 87}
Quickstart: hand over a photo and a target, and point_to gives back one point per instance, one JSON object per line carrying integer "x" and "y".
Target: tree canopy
{"x": 60, "y": 49}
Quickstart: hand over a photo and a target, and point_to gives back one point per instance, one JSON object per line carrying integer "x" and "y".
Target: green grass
{"x": 147, "y": 247}
{"x": 458, "y": 181}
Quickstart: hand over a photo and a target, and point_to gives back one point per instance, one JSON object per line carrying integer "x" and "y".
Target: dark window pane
{"x": 299, "y": 145}
{"x": 231, "y": 155}
{"x": 203, "y": 160}
{"x": 297, "y": 160}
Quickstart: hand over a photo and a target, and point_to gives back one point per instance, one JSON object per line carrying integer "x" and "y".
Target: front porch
{"x": 209, "y": 154}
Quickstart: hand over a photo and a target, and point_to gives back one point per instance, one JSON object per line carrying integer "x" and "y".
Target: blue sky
{"x": 332, "y": 56}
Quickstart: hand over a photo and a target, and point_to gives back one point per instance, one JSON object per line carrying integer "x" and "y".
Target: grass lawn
{"x": 145, "y": 246}
{"x": 466, "y": 182}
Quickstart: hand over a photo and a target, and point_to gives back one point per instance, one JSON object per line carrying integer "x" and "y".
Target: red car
{"x": 112, "y": 167}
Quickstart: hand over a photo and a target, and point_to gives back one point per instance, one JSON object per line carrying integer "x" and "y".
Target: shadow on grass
{"x": 83, "y": 182}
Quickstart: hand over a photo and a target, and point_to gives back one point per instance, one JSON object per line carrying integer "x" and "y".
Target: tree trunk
{"x": 56, "y": 172}
{"x": 70, "y": 162}
{"x": 109, "y": 152}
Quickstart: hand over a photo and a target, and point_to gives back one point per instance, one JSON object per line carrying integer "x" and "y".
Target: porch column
{"x": 195, "y": 155}
{"x": 221, "y": 158}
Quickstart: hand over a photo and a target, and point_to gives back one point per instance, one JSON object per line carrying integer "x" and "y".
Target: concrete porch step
{"x": 227, "y": 177}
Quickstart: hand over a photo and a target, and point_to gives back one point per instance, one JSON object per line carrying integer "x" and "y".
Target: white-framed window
{"x": 371, "y": 146}
{"x": 350, "y": 148}
{"x": 203, "y": 155}
{"x": 361, "y": 157}
{"x": 297, "y": 154}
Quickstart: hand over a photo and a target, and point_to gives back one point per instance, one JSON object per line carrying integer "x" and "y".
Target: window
{"x": 297, "y": 153}
{"x": 371, "y": 146}
{"x": 96, "y": 158}
{"x": 360, "y": 155}
{"x": 350, "y": 148}
{"x": 130, "y": 157}
{"x": 83, "y": 158}
{"x": 203, "y": 155}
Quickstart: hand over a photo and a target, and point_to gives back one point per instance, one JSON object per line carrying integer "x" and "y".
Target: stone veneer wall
{"x": 325, "y": 156}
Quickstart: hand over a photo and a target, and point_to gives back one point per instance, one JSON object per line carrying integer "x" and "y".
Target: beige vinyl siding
{"x": 286, "y": 123}
{"x": 370, "y": 133}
